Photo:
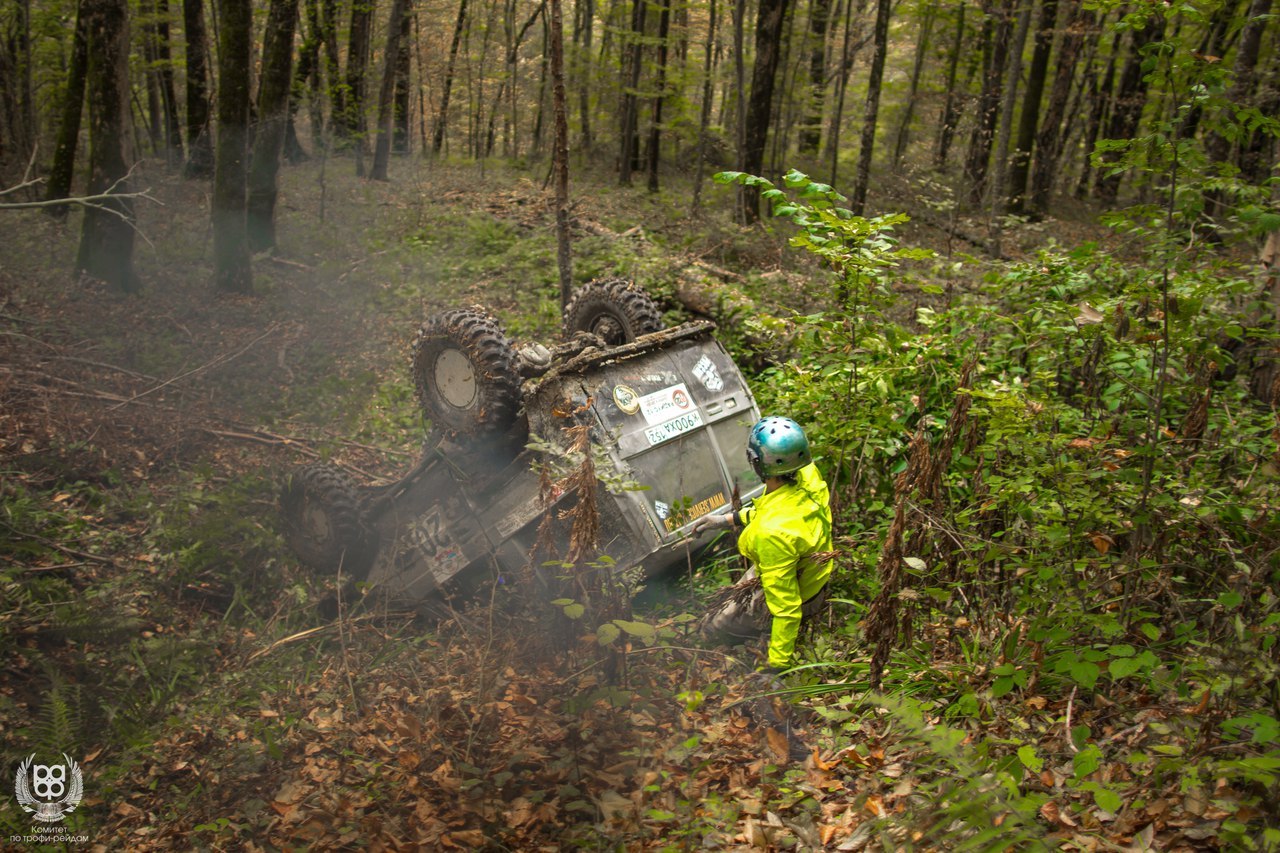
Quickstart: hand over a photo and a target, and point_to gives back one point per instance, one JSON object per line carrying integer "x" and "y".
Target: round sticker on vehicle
{"x": 626, "y": 399}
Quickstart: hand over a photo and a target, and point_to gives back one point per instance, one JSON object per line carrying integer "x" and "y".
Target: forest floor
{"x": 157, "y": 630}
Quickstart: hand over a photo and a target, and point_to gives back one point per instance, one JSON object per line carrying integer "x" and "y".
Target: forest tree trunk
{"x": 442, "y": 117}
{"x": 996, "y": 35}
{"x": 107, "y": 232}
{"x": 870, "y": 115}
{"x": 232, "y": 267}
{"x": 560, "y": 154}
{"x": 629, "y": 134}
{"x": 950, "y": 109}
{"x": 655, "y": 120}
{"x": 769, "y": 21}
{"x": 64, "y": 151}
{"x": 273, "y": 118}
{"x": 1020, "y": 166}
{"x": 404, "y": 70}
{"x": 1131, "y": 98}
{"x": 1049, "y": 139}
{"x": 199, "y": 133}
{"x": 811, "y": 131}
{"x": 386, "y": 94}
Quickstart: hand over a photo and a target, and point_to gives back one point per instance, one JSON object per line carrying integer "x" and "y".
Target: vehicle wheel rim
{"x": 315, "y": 522}
{"x": 455, "y": 379}
{"x": 609, "y": 329}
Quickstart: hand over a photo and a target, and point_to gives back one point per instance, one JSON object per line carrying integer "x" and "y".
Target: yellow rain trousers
{"x": 784, "y": 529}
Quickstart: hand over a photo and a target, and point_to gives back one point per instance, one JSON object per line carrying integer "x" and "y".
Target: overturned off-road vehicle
{"x": 666, "y": 411}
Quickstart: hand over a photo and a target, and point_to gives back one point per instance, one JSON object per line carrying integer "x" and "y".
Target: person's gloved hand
{"x": 713, "y": 522}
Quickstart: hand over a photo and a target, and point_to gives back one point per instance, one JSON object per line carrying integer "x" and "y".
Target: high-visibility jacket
{"x": 784, "y": 529}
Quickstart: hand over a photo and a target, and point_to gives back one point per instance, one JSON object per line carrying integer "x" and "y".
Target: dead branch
{"x": 62, "y": 549}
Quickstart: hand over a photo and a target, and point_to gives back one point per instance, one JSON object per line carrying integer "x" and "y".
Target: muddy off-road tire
{"x": 324, "y": 522}
{"x": 465, "y": 374}
{"x": 613, "y": 308}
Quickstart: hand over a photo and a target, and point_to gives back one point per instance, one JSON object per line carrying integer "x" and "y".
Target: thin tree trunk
{"x": 996, "y": 33}
{"x": 273, "y": 117}
{"x": 386, "y": 95}
{"x": 842, "y": 84}
{"x": 629, "y": 134}
{"x": 199, "y": 133}
{"x": 1013, "y": 77}
{"x": 1100, "y": 98}
{"x": 332, "y": 65}
{"x": 1217, "y": 146}
{"x": 655, "y": 122}
{"x": 704, "y": 117}
{"x": 560, "y": 154}
{"x": 305, "y": 73}
{"x": 587, "y": 10}
{"x": 740, "y": 95}
{"x": 354, "y": 123}
{"x": 442, "y": 118}
{"x": 232, "y": 267}
{"x": 880, "y": 39}
{"x": 404, "y": 69}
{"x": 1020, "y": 167}
{"x": 1131, "y": 98}
{"x": 64, "y": 151}
{"x": 106, "y": 235}
{"x": 168, "y": 91}
{"x": 950, "y": 109}
{"x": 1049, "y": 139}
{"x": 769, "y": 28}
{"x": 811, "y": 131}
{"x": 917, "y": 66}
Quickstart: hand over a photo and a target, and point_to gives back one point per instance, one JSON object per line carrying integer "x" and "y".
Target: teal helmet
{"x": 777, "y": 446}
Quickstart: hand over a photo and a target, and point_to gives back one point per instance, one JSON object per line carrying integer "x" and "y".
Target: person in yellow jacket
{"x": 786, "y": 534}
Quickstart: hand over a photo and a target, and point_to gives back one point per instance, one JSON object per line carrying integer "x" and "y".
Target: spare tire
{"x": 615, "y": 309}
{"x": 464, "y": 371}
{"x": 324, "y": 522}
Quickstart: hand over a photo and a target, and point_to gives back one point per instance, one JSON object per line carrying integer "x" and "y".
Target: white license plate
{"x": 670, "y": 429}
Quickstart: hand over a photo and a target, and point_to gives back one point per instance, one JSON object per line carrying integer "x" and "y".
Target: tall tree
{"x": 232, "y": 264}
{"x": 629, "y": 135}
{"x": 106, "y": 235}
{"x": 1049, "y": 139}
{"x": 871, "y": 113}
{"x": 64, "y": 150}
{"x": 354, "y": 125}
{"x": 584, "y": 32}
{"x": 811, "y": 129}
{"x": 655, "y": 119}
{"x": 1130, "y": 97}
{"x": 560, "y": 152}
{"x": 1020, "y": 166}
{"x": 1218, "y": 146}
{"x": 166, "y": 84}
{"x": 704, "y": 116}
{"x": 997, "y": 30}
{"x": 446, "y": 86}
{"x": 770, "y": 18}
{"x": 950, "y": 108}
{"x": 333, "y": 64}
{"x": 306, "y": 82}
{"x": 386, "y": 94}
{"x": 273, "y": 122}
{"x": 199, "y": 133}
{"x": 404, "y": 68}
{"x": 917, "y": 67}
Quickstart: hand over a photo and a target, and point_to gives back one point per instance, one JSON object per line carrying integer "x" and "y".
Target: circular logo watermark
{"x": 48, "y": 792}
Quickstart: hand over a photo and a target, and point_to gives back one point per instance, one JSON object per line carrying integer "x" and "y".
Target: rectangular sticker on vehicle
{"x": 661, "y": 406}
{"x": 674, "y": 427}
